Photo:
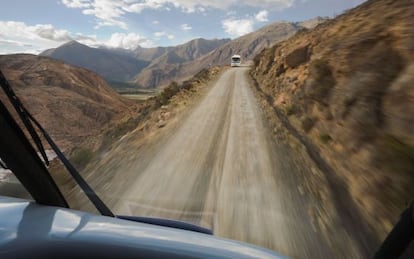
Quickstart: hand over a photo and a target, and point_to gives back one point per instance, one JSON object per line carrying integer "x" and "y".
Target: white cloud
{"x": 185, "y": 27}
{"x": 76, "y": 3}
{"x": 127, "y": 41}
{"x": 236, "y": 28}
{"x": 159, "y": 34}
{"x": 262, "y": 16}
{"x": 38, "y": 31}
{"x": 111, "y": 12}
{"x": 47, "y": 31}
{"x": 155, "y": 22}
{"x": 108, "y": 12}
{"x": 201, "y": 5}
{"x": 20, "y": 37}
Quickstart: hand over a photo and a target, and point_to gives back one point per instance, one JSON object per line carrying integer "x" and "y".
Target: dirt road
{"x": 220, "y": 168}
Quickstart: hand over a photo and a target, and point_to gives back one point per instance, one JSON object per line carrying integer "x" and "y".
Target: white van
{"x": 235, "y": 61}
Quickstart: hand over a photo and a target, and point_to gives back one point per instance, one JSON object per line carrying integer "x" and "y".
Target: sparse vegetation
{"x": 118, "y": 131}
{"x": 358, "y": 85}
{"x": 172, "y": 89}
{"x": 325, "y": 138}
{"x": 165, "y": 95}
{"x": 308, "y": 123}
{"x": 396, "y": 155}
{"x": 291, "y": 109}
{"x": 81, "y": 157}
{"x": 321, "y": 80}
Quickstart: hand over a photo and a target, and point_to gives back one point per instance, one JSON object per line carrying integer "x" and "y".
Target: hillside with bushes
{"x": 345, "y": 91}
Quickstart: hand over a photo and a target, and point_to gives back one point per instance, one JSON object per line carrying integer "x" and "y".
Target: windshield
{"x": 306, "y": 149}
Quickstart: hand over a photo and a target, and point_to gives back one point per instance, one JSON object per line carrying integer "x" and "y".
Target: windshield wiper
{"x": 27, "y": 120}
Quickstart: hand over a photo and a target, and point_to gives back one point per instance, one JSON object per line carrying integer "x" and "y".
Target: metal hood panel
{"x": 30, "y": 229}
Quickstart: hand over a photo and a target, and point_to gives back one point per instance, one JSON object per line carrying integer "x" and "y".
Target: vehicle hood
{"x": 26, "y": 224}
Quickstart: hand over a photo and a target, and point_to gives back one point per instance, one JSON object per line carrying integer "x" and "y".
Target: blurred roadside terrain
{"x": 346, "y": 92}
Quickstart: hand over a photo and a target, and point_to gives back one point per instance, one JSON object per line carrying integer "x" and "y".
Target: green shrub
{"x": 325, "y": 138}
{"x": 321, "y": 80}
{"x": 291, "y": 109}
{"x": 202, "y": 74}
{"x": 308, "y": 123}
{"x": 397, "y": 155}
{"x": 81, "y": 157}
{"x": 165, "y": 95}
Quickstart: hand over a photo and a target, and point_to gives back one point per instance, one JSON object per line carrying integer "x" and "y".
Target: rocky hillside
{"x": 161, "y": 69}
{"x": 149, "y": 54}
{"x": 346, "y": 91}
{"x": 111, "y": 64}
{"x": 247, "y": 46}
{"x": 73, "y": 104}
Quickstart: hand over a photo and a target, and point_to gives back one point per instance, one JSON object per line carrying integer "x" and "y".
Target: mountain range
{"x": 156, "y": 67}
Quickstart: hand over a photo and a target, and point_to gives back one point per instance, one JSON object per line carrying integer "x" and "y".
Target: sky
{"x": 28, "y": 26}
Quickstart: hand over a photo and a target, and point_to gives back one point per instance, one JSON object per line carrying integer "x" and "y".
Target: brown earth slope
{"x": 73, "y": 104}
{"x": 346, "y": 89}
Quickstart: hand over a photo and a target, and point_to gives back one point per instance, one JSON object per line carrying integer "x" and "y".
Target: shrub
{"x": 325, "y": 138}
{"x": 321, "y": 81}
{"x": 291, "y": 109}
{"x": 165, "y": 95}
{"x": 308, "y": 123}
{"x": 396, "y": 155}
{"x": 202, "y": 74}
{"x": 81, "y": 157}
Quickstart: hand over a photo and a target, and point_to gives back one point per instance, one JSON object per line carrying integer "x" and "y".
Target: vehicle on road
{"x": 235, "y": 61}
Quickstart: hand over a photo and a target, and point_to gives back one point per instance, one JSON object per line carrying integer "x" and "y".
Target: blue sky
{"x": 33, "y": 26}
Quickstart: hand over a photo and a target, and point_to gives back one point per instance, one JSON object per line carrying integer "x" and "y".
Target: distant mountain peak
{"x": 72, "y": 43}
{"x": 112, "y": 64}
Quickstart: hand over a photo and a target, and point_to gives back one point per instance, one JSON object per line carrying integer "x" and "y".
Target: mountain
{"x": 160, "y": 72}
{"x": 111, "y": 64}
{"x": 167, "y": 65}
{"x": 73, "y": 104}
{"x": 312, "y": 23}
{"x": 149, "y": 54}
{"x": 123, "y": 65}
{"x": 345, "y": 93}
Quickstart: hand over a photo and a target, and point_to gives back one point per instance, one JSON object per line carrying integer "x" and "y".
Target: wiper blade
{"x": 27, "y": 119}
{"x": 3, "y": 165}
{"x": 23, "y": 114}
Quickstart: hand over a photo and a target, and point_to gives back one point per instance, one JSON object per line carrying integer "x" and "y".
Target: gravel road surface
{"x": 219, "y": 167}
